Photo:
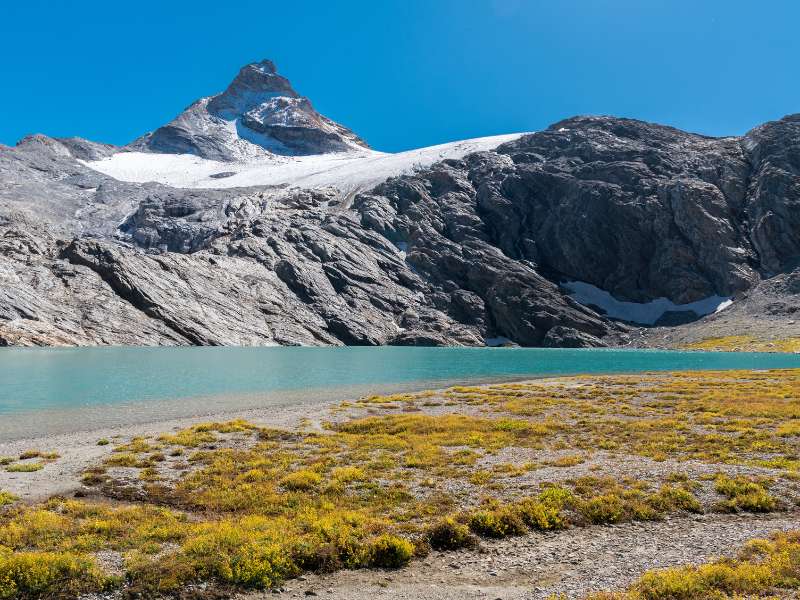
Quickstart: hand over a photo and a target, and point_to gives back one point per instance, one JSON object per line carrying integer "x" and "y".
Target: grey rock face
{"x": 435, "y": 217}
{"x": 461, "y": 252}
{"x": 259, "y": 112}
{"x": 773, "y": 198}
{"x": 639, "y": 210}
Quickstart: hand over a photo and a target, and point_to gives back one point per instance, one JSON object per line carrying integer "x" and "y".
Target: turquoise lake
{"x": 42, "y": 379}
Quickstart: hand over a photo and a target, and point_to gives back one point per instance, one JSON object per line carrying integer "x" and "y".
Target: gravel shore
{"x": 572, "y": 562}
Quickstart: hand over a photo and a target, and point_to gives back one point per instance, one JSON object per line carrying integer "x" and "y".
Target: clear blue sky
{"x": 402, "y": 73}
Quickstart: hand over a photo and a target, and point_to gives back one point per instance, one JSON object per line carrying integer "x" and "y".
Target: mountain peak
{"x": 259, "y": 113}
{"x": 255, "y": 84}
{"x": 264, "y": 65}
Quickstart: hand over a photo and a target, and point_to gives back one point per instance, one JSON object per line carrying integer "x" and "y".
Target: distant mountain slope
{"x": 198, "y": 235}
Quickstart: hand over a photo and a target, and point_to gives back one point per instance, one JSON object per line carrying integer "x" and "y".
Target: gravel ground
{"x": 573, "y": 562}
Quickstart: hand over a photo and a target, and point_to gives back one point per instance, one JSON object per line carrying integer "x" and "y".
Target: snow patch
{"x": 402, "y": 249}
{"x": 350, "y": 171}
{"x": 723, "y": 305}
{"x": 644, "y": 313}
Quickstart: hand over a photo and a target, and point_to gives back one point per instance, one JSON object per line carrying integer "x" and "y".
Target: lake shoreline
{"x": 79, "y": 449}
{"x": 533, "y": 564}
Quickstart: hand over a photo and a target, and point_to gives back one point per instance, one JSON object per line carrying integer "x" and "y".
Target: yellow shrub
{"x": 603, "y": 509}
{"x": 347, "y": 474}
{"x": 497, "y": 523}
{"x": 390, "y": 552}
{"x": 301, "y": 480}
{"x": 744, "y": 494}
{"x": 46, "y": 573}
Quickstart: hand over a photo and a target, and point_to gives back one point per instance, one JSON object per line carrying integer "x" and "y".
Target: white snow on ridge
{"x": 349, "y": 171}
{"x": 644, "y": 313}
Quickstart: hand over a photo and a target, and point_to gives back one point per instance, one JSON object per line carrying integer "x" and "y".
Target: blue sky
{"x": 402, "y": 73}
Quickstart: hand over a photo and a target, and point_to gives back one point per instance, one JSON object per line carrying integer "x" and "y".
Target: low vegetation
{"x": 762, "y": 568}
{"x": 746, "y": 343}
{"x": 388, "y": 478}
{"x": 28, "y": 461}
{"x": 27, "y": 467}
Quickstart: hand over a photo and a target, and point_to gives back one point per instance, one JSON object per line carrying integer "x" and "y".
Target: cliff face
{"x": 489, "y": 247}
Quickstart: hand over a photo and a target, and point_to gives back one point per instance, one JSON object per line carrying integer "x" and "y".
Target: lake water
{"x": 108, "y": 386}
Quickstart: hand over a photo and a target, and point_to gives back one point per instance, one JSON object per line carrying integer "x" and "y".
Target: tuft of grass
{"x": 604, "y": 509}
{"x": 24, "y": 467}
{"x": 7, "y": 498}
{"x": 543, "y": 513}
{"x": 569, "y": 460}
{"x": 103, "y": 442}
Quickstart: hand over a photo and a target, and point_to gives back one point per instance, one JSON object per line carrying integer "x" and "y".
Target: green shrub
{"x": 556, "y": 496}
{"x": 231, "y": 555}
{"x": 497, "y": 523}
{"x": 603, "y": 509}
{"x": 7, "y": 498}
{"x": 448, "y": 534}
{"x": 744, "y": 494}
{"x": 670, "y": 498}
{"x": 540, "y": 515}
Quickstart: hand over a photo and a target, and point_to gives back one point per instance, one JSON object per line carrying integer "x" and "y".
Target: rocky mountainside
{"x": 488, "y": 247}
{"x": 258, "y": 113}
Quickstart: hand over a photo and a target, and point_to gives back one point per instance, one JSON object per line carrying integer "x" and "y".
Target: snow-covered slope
{"x": 643, "y": 313}
{"x": 348, "y": 171}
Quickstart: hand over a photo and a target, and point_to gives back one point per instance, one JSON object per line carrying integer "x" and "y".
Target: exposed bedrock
{"x": 463, "y": 252}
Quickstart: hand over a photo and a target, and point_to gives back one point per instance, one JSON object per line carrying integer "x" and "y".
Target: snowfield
{"x": 643, "y": 313}
{"x": 349, "y": 171}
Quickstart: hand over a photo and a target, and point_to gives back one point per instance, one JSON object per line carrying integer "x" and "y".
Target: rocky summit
{"x": 588, "y": 233}
{"x": 259, "y": 112}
